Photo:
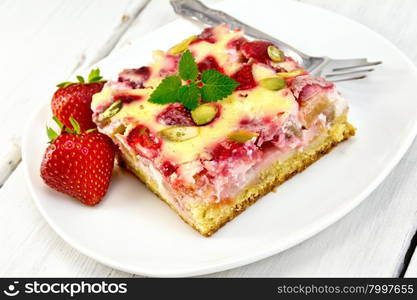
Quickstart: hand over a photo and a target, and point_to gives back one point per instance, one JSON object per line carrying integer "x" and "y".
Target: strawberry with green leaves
{"x": 78, "y": 163}
{"x": 73, "y": 99}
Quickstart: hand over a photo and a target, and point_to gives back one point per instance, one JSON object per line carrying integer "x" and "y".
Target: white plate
{"x": 133, "y": 231}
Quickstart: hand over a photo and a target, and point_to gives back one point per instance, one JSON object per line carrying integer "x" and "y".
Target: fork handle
{"x": 195, "y": 10}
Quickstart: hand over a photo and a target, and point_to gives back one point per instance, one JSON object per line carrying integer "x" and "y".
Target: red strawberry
{"x": 74, "y": 100}
{"x": 168, "y": 167}
{"x": 79, "y": 164}
{"x": 237, "y": 43}
{"x": 257, "y": 50}
{"x": 135, "y": 77}
{"x": 208, "y": 63}
{"x": 207, "y": 35}
{"x": 144, "y": 142}
{"x": 175, "y": 114}
{"x": 245, "y": 78}
{"x": 127, "y": 98}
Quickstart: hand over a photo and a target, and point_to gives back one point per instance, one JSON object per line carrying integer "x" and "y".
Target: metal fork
{"x": 332, "y": 69}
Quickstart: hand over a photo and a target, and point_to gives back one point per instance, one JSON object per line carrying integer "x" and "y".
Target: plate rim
{"x": 307, "y": 234}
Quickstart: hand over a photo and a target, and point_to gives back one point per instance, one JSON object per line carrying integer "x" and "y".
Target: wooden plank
{"x": 394, "y": 20}
{"x": 46, "y": 42}
{"x": 9, "y": 157}
{"x": 156, "y": 14}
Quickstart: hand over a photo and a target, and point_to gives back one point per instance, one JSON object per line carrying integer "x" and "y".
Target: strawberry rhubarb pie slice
{"x": 218, "y": 121}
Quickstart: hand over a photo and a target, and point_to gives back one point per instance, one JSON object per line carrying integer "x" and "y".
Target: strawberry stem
{"x": 64, "y": 84}
{"x": 94, "y": 76}
{"x": 58, "y": 122}
{"x": 90, "y": 130}
{"x": 80, "y": 79}
{"x": 75, "y": 125}
{"x": 52, "y": 135}
{"x": 67, "y": 130}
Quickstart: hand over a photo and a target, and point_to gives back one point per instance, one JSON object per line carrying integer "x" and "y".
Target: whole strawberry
{"x": 78, "y": 164}
{"x": 74, "y": 100}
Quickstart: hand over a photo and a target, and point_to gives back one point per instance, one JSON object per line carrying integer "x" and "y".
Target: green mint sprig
{"x": 213, "y": 86}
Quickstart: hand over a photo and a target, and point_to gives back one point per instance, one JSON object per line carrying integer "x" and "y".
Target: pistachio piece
{"x": 180, "y": 133}
{"x": 241, "y": 136}
{"x": 275, "y": 54}
{"x": 291, "y": 74}
{"x": 113, "y": 109}
{"x": 204, "y": 114}
{"x": 273, "y": 83}
{"x": 181, "y": 47}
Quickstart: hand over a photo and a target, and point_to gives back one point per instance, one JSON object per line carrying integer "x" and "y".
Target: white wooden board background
{"x": 45, "y": 41}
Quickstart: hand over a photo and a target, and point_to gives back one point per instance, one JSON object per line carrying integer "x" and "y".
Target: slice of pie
{"x": 211, "y": 163}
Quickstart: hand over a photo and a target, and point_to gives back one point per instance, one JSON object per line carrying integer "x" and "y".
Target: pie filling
{"x": 252, "y": 128}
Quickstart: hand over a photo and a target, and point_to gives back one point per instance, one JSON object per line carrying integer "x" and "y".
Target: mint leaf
{"x": 216, "y": 85}
{"x": 188, "y": 95}
{"x": 166, "y": 91}
{"x": 187, "y": 66}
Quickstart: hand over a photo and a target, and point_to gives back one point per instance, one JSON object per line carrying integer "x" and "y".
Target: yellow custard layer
{"x": 255, "y": 103}
{"x": 226, "y": 58}
{"x": 258, "y": 103}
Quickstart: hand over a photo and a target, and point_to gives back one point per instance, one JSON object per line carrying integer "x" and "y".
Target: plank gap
{"x": 408, "y": 255}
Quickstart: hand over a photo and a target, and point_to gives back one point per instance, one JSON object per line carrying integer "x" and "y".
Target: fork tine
{"x": 348, "y": 73}
{"x": 350, "y": 78}
{"x": 346, "y": 62}
{"x": 368, "y": 64}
